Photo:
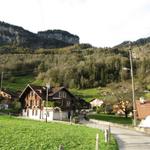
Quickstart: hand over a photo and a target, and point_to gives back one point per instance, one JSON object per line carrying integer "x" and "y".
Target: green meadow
{"x": 20, "y": 134}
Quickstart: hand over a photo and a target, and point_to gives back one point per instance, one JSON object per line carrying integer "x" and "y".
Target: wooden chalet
{"x": 61, "y": 103}
{"x": 8, "y": 94}
{"x": 7, "y": 97}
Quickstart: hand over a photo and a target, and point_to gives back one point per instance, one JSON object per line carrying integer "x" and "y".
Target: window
{"x": 47, "y": 113}
{"x": 35, "y": 102}
{"x": 32, "y": 112}
{"x": 62, "y": 94}
{"x": 68, "y": 104}
{"x": 31, "y": 93}
{"x": 36, "y": 112}
{"x": 31, "y": 103}
{"x": 38, "y": 102}
{"x": 27, "y": 112}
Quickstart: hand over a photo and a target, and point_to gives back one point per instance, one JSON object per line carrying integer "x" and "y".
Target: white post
{"x": 61, "y": 147}
{"x": 46, "y": 103}
{"x": 109, "y": 133}
{"x": 106, "y": 135}
{"x": 70, "y": 119}
{"x": 61, "y": 115}
{"x": 97, "y": 142}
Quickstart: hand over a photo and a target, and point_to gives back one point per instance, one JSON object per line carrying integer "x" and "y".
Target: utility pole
{"x": 133, "y": 88}
{"x": 47, "y": 89}
{"x": 2, "y": 80}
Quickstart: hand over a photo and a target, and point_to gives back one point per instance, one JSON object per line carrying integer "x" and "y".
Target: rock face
{"x": 59, "y": 35}
{"x": 14, "y": 35}
{"x": 10, "y": 34}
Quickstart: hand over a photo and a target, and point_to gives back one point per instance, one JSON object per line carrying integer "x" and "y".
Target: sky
{"x": 102, "y": 23}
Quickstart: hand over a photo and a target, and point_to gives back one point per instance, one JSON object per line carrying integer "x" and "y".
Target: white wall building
{"x": 96, "y": 102}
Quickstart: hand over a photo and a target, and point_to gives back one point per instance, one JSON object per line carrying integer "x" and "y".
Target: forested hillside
{"x": 78, "y": 66}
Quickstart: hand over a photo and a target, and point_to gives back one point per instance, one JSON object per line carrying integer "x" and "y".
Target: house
{"x": 7, "y": 97}
{"x": 8, "y": 94}
{"x": 143, "y": 112}
{"x": 60, "y": 106}
{"x": 96, "y": 102}
{"x": 143, "y": 109}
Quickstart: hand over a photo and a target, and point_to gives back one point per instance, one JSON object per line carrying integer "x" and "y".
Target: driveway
{"x": 127, "y": 139}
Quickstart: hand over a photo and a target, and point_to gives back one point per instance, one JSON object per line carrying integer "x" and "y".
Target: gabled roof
{"x": 143, "y": 109}
{"x": 96, "y": 102}
{"x": 41, "y": 90}
{"x": 11, "y": 93}
{"x": 37, "y": 89}
{"x": 55, "y": 90}
{"x": 96, "y": 99}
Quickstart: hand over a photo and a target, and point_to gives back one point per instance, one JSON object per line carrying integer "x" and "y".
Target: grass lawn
{"x": 87, "y": 94}
{"x": 19, "y": 134}
{"x": 18, "y": 83}
{"x": 112, "y": 118}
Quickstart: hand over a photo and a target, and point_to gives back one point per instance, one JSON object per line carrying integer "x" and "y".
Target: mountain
{"x": 59, "y": 35}
{"x": 14, "y": 35}
{"x": 140, "y": 48}
{"x": 139, "y": 42}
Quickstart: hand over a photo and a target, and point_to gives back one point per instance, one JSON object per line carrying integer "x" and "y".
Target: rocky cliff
{"x": 59, "y": 35}
{"x": 14, "y": 35}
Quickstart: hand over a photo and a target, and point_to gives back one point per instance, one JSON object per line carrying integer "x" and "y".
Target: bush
{"x": 16, "y": 106}
{"x": 76, "y": 119}
{"x": 109, "y": 109}
{"x": 100, "y": 109}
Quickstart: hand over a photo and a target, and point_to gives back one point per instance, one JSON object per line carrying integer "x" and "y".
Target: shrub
{"x": 100, "y": 109}
{"x": 108, "y": 109}
{"x": 16, "y": 106}
{"x": 76, "y": 119}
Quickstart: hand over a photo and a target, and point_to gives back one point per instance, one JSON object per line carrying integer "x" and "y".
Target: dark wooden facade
{"x": 34, "y": 97}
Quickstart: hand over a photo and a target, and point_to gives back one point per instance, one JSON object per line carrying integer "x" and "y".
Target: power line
{"x": 1, "y": 80}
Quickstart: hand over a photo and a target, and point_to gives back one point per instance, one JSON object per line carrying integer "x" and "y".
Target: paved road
{"x": 127, "y": 139}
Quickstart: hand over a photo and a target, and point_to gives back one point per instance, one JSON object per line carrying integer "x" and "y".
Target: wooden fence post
{"x": 61, "y": 147}
{"x": 109, "y": 133}
{"x": 97, "y": 142}
{"x": 106, "y": 135}
{"x": 70, "y": 119}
